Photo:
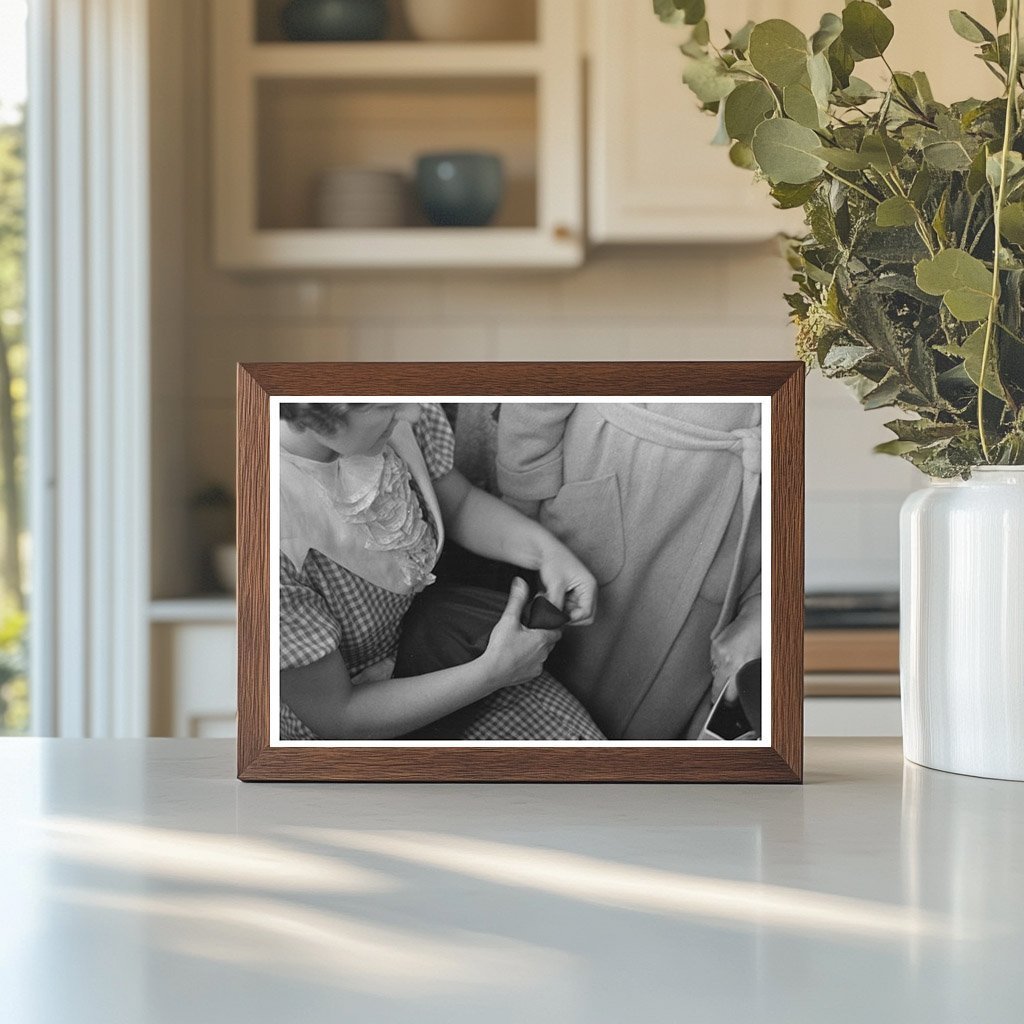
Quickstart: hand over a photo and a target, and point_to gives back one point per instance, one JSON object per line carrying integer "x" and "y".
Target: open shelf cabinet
{"x": 285, "y": 113}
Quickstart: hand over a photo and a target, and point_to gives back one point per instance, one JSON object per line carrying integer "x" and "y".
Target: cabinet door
{"x": 653, "y": 174}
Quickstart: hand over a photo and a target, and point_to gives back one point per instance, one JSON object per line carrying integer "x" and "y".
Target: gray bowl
{"x": 334, "y": 20}
{"x": 460, "y": 189}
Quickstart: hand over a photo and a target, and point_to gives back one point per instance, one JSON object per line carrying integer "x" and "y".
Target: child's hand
{"x": 514, "y": 653}
{"x": 569, "y": 584}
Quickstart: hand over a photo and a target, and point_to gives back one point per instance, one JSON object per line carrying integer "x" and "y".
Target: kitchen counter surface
{"x": 143, "y": 884}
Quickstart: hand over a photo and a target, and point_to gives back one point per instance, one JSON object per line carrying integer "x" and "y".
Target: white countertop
{"x": 143, "y": 884}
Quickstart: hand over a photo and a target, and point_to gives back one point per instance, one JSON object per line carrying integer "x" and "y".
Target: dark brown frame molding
{"x": 781, "y": 762}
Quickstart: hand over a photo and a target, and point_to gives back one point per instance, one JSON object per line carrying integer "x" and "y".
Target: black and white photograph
{"x": 510, "y": 571}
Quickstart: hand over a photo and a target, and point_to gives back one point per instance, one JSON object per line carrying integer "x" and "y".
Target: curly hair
{"x": 320, "y": 417}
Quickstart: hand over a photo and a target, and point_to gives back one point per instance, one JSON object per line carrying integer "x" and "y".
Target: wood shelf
{"x": 852, "y": 650}
{"x": 393, "y": 60}
{"x": 401, "y": 247}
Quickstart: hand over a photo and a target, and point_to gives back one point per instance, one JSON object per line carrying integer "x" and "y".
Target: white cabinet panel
{"x": 653, "y": 174}
{"x": 852, "y": 716}
{"x": 194, "y": 676}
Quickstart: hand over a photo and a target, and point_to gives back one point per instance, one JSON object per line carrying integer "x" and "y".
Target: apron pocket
{"x": 586, "y": 517}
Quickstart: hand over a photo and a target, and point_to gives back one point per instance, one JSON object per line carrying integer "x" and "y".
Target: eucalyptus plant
{"x": 910, "y": 278}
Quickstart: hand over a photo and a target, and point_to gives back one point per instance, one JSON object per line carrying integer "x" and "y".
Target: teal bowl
{"x": 460, "y": 190}
{"x": 334, "y": 21}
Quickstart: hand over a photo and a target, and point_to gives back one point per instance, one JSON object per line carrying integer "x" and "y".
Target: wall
{"x": 652, "y": 303}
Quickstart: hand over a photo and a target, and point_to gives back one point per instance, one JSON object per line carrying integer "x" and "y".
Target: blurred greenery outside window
{"x": 14, "y": 546}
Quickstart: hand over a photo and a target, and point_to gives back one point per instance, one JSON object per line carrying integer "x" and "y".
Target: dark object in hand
{"x": 540, "y": 613}
{"x": 739, "y": 715}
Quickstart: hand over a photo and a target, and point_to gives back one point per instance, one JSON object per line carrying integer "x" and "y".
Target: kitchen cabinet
{"x": 192, "y": 650}
{"x": 653, "y": 175}
{"x": 286, "y": 113}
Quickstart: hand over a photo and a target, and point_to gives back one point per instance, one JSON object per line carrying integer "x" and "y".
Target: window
{"x": 14, "y": 547}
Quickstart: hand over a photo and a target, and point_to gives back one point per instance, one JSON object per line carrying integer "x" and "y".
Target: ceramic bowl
{"x": 358, "y": 197}
{"x": 460, "y": 189}
{"x": 470, "y": 20}
{"x": 334, "y": 20}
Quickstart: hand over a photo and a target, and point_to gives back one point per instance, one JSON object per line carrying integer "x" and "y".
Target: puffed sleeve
{"x": 530, "y": 436}
{"x": 308, "y": 631}
{"x": 436, "y": 440}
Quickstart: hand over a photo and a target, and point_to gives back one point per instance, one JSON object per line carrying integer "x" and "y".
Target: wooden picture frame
{"x": 777, "y": 757}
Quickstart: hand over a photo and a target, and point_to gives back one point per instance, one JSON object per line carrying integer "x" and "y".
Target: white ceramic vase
{"x": 962, "y": 624}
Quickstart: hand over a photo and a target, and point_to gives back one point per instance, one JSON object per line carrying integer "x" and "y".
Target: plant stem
{"x": 993, "y": 309}
{"x": 1012, "y": 334}
{"x": 769, "y": 87}
{"x": 850, "y": 184}
{"x": 922, "y": 225}
{"x": 977, "y": 238}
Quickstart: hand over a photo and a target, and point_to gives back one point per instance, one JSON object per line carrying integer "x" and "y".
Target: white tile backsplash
{"x": 718, "y": 302}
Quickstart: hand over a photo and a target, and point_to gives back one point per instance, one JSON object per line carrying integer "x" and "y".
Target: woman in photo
{"x": 661, "y": 501}
{"x": 367, "y": 496}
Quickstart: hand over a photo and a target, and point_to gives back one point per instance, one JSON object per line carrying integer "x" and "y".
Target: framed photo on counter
{"x": 520, "y": 572}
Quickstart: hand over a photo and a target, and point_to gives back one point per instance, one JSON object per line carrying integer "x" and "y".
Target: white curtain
{"x": 88, "y": 318}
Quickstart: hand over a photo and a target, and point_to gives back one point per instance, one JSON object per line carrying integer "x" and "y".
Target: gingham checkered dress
{"x": 326, "y": 607}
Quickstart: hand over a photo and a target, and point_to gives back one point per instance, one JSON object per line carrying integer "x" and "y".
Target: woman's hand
{"x": 514, "y": 653}
{"x": 487, "y": 526}
{"x": 568, "y": 583}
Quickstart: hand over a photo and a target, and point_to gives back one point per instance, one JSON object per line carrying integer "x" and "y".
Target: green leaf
{"x": 676, "y": 12}
{"x": 842, "y": 61}
{"x": 778, "y": 50}
{"x": 971, "y": 352}
{"x": 859, "y": 91}
{"x": 947, "y": 156}
{"x": 976, "y": 175}
{"x": 789, "y": 197}
{"x": 924, "y": 88}
{"x": 939, "y": 220}
{"x": 866, "y": 29}
{"x": 785, "y": 152}
{"x": 895, "y": 447}
{"x": 831, "y": 27}
{"x": 1012, "y": 224}
{"x": 721, "y": 137}
{"x": 746, "y": 107}
{"x": 708, "y": 81}
{"x": 739, "y": 41}
{"x": 885, "y": 394}
{"x": 800, "y": 105}
{"x": 694, "y": 11}
{"x": 820, "y": 76}
{"x": 921, "y": 186}
{"x": 844, "y": 159}
{"x": 923, "y": 431}
{"x": 742, "y": 155}
{"x": 963, "y": 281}
{"x": 994, "y": 168}
{"x": 883, "y": 153}
{"x": 969, "y": 28}
{"x": 896, "y": 212}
